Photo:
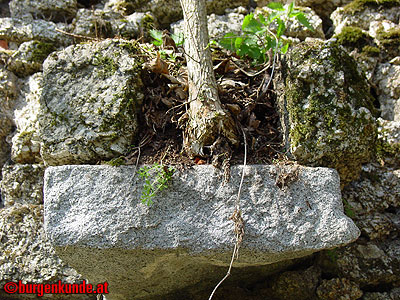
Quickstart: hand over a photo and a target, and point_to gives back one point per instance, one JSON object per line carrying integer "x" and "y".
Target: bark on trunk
{"x": 207, "y": 119}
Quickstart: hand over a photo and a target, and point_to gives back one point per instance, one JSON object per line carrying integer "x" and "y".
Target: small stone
{"x": 339, "y": 289}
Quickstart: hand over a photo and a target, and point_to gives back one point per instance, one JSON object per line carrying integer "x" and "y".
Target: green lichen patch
{"x": 326, "y": 109}
{"x": 353, "y": 37}
{"x": 108, "y": 64}
{"x": 359, "y": 5}
{"x": 41, "y": 50}
{"x": 116, "y": 162}
{"x": 371, "y": 51}
{"x": 90, "y": 102}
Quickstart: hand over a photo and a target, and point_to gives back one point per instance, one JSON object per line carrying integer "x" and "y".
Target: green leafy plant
{"x": 157, "y": 36}
{"x": 258, "y": 38}
{"x": 156, "y": 179}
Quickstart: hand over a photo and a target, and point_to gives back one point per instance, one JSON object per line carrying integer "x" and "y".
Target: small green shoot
{"x": 257, "y": 38}
{"x": 156, "y": 179}
{"x": 157, "y": 37}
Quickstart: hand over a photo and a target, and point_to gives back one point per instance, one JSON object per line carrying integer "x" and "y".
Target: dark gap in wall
{"x": 87, "y": 3}
{"x": 379, "y": 288}
{"x": 4, "y": 9}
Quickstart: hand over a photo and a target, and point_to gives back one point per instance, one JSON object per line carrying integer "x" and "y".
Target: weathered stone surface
{"x": 387, "y": 37}
{"x": 387, "y": 78}
{"x": 29, "y": 57}
{"x": 22, "y": 184}
{"x": 339, "y": 289}
{"x": 295, "y": 285}
{"x": 373, "y": 201}
{"x": 8, "y": 93}
{"x": 89, "y": 101}
{"x": 25, "y": 252}
{"x": 97, "y": 213}
{"x": 26, "y": 141}
{"x": 106, "y": 24}
{"x": 361, "y": 13}
{"x": 366, "y": 263}
{"x": 219, "y": 25}
{"x": 51, "y": 10}
{"x": 294, "y": 28}
{"x": 169, "y": 11}
{"x": 326, "y": 109}
{"x": 23, "y": 30}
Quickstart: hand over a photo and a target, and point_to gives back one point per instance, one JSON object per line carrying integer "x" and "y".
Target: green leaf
{"x": 303, "y": 20}
{"x": 281, "y": 28}
{"x": 261, "y": 19}
{"x": 178, "y": 39}
{"x": 290, "y": 8}
{"x": 238, "y": 42}
{"x": 274, "y": 16}
{"x": 276, "y": 6}
{"x": 251, "y": 25}
{"x": 157, "y": 36}
{"x": 228, "y": 41}
{"x": 285, "y": 48}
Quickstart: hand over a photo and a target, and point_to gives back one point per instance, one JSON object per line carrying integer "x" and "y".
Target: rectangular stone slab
{"x": 95, "y": 220}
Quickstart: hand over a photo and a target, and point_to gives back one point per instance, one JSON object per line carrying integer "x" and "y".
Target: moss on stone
{"x": 389, "y": 37}
{"x": 108, "y": 65}
{"x": 116, "y": 162}
{"x": 327, "y": 100}
{"x": 359, "y": 5}
{"x": 371, "y": 51}
{"x": 353, "y": 37}
{"x": 41, "y": 50}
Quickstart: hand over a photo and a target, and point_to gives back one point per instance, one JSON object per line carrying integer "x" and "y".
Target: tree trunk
{"x": 207, "y": 118}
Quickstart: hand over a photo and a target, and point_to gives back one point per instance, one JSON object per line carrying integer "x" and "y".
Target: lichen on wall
{"x": 90, "y": 97}
{"x": 326, "y": 109}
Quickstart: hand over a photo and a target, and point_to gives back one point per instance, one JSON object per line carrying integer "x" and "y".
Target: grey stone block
{"x": 97, "y": 223}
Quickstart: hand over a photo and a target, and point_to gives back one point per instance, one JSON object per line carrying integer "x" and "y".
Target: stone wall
{"x": 70, "y": 100}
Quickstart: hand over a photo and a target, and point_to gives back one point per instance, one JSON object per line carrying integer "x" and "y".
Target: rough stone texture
{"x": 326, "y": 109}
{"x": 22, "y": 184}
{"x": 25, "y": 252}
{"x": 97, "y": 213}
{"x": 374, "y": 204}
{"x": 218, "y": 26}
{"x": 107, "y": 24}
{"x": 169, "y": 11}
{"x": 367, "y": 264}
{"x": 390, "y": 130}
{"x": 51, "y": 10}
{"x": 89, "y": 101}
{"x": 387, "y": 79}
{"x": 8, "y": 93}
{"x": 26, "y": 142}
{"x": 23, "y": 30}
{"x": 294, "y": 28}
{"x": 339, "y": 289}
{"x": 374, "y": 201}
{"x": 295, "y": 285}
{"x": 29, "y": 57}
{"x": 362, "y": 15}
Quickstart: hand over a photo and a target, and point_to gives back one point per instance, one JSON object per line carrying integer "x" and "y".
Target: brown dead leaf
{"x": 253, "y": 122}
{"x": 157, "y": 65}
{"x": 233, "y": 108}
